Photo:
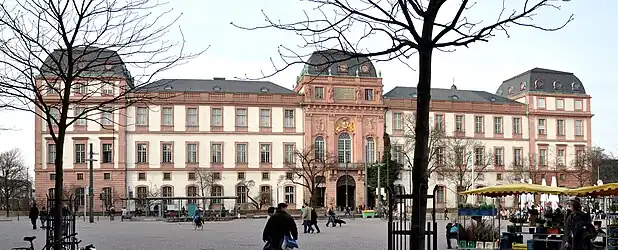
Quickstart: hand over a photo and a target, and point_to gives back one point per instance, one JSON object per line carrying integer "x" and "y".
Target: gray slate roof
{"x": 454, "y": 95}
{"x": 323, "y": 61}
{"x": 544, "y": 81}
{"x": 219, "y": 85}
{"x": 92, "y": 61}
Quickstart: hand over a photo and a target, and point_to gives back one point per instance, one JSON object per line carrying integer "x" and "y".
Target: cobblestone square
{"x": 357, "y": 234}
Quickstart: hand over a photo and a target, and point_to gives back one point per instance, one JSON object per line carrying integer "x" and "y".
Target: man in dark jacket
{"x": 314, "y": 220}
{"x": 33, "y": 215}
{"x": 574, "y": 227}
{"x": 278, "y": 226}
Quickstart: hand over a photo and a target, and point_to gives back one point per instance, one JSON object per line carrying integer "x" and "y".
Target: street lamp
{"x": 347, "y": 200}
{"x": 91, "y": 160}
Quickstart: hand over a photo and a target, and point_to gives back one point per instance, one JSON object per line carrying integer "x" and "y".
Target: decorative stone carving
{"x": 371, "y": 124}
{"x": 331, "y": 93}
{"x": 344, "y": 124}
{"x": 358, "y": 94}
{"x": 320, "y": 125}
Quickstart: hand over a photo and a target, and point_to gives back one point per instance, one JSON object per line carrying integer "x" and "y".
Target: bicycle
{"x": 50, "y": 246}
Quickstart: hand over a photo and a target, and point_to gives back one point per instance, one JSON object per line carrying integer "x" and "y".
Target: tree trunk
{"x": 58, "y": 222}
{"x": 6, "y": 204}
{"x": 421, "y": 150}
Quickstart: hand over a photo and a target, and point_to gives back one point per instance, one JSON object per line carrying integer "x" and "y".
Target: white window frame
{"x": 265, "y": 115}
{"x": 191, "y": 152}
{"x": 579, "y": 128}
{"x": 541, "y": 124}
{"x": 498, "y": 125}
{"x": 241, "y": 117}
{"x": 216, "y": 153}
{"x": 216, "y": 117}
{"x": 289, "y": 116}
{"x": 459, "y": 123}
{"x": 80, "y": 153}
{"x": 192, "y": 116}
{"x": 265, "y": 153}
{"x": 168, "y": 116}
{"x": 167, "y": 152}
{"x": 77, "y": 111}
{"x": 141, "y": 117}
{"x": 241, "y": 153}
{"x": 142, "y": 153}
{"x": 398, "y": 120}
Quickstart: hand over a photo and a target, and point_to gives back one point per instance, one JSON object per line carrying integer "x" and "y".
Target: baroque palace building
{"x": 245, "y": 130}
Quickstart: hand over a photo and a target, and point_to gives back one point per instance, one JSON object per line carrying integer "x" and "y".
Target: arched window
{"x": 319, "y": 147}
{"x": 241, "y": 194}
{"x": 265, "y": 196}
{"x": 216, "y": 190}
{"x": 142, "y": 194}
{"x": 370, "y": 149}
{"x": 289, "y": 194}
{"x": 344, "y": 148}
{"x": 167, "y": 191}
{"x": 191, "y": 192}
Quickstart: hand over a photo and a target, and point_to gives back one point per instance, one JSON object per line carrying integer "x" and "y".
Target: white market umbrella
{"x": 530, "y": 197}
{"x": 544, "y": 197}
{"x": 554, "y": 199}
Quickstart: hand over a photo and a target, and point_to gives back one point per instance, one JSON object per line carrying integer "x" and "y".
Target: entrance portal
{"x": 346, "y": 191}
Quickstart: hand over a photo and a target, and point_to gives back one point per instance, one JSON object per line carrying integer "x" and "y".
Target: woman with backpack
{"x": 578, "y": 229}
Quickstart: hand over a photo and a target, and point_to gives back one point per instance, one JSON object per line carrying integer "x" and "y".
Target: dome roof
{"x": 542, "y": 81}
{"x": 339, "y": 63}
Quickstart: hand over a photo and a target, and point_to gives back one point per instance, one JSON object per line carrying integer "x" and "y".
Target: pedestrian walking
{"x": 280, "y": 227}
{"x": 307, "y": 219}
{"x": 33, "y": 215}
{"x": 314, "y": 221}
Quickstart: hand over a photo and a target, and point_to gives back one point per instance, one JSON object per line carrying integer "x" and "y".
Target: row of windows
{"x": 498, "y": 125}
{"x": 479, "y": 156}
{"x": 192, "y": 176}
{"x": 344, "y": 94}
{"x": 216, "y": 117}
{"x": 216, "y": 152}
{"x": 79, "y": 153}
{"x": 578, "y": 105}
{"x": 216, "y": 191}
{"x": 500, "y": 177}
{"x": 344, "y": 148}
{"x": 81, "y": 88}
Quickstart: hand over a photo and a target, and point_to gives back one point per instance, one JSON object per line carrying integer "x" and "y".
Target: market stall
{"x": 540, "y": 232}
{"x": 606, "y": 192}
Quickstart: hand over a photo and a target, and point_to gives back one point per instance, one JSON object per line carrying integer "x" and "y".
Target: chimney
{"x": 219, "y": 78}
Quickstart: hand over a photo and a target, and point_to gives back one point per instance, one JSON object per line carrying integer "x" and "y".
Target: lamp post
{"x": 91, "y": 161}
{"x": 347, "y": 161}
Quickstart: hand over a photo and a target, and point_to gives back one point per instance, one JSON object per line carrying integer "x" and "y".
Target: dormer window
{"x": 455, "y": 97}
{"x": 343, "y": 68}
{"x": 511, "y": 90}
{"x": 557, "y": 85}
{"x": 216, "y": 88}
{"x": 264, "y": 90}
{"x": 522, "y": 86}
{"x": 538, "y": 84}
{"x": 575, "y": 86}
{"x": 167, "y": 87}
{"x": 493, "y": 99}
{"x": 108, "y": 66}
{"x": 413, "y": 95}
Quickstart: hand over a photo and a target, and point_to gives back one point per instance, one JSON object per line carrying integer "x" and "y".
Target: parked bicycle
{"x": 66, "y": 242}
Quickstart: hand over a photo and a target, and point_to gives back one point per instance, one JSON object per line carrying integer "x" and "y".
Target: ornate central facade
{"x": 245, "y": 133}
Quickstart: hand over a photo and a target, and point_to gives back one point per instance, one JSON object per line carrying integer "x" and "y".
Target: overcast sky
{"x": 584, "y": 47}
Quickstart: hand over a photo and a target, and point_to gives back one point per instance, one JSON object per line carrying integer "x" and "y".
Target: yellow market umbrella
{"x": 609, "y": 189}
{"x": 512, "y": 189}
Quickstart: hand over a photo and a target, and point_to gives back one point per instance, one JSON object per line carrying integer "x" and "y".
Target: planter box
{"x": 471, "y": 244}
{"x": 369, "y": 214}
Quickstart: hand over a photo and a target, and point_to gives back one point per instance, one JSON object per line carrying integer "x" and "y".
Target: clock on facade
{"x": 365, "y": 68}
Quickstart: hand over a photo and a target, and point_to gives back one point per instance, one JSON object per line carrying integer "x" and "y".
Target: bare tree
{"x": 586, "y": 164}
{"x": 142, "y": 197}
{"x": 399, "y": 29}
{"x": 259, "y": 201}
{"x": 437, "y": 137}
{"x": 66, "y": 62}
{"x": 13, "y": 177}
{"x": 463, "y": 161}
{"x": 206, "y": 179}
{"x": 526, "y": 168}
{"x": 309, "y": 167}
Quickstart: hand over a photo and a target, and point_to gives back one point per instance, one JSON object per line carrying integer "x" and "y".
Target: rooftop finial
{"x": 453, "y": 87}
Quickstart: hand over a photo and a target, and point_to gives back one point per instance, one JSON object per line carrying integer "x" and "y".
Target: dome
{"x": 542, "y": 81}
{"x": 339, "y": 63}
